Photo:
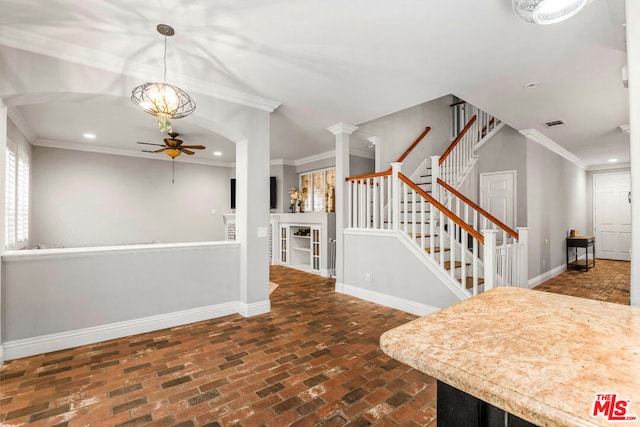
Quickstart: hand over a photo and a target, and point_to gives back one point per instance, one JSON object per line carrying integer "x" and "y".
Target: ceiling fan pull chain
{"x": 173, "y": 170}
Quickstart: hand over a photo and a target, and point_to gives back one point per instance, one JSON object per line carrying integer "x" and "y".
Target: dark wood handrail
{"x": 458, "y": 138}
{"x": 482, "y": 212}
{"x": 466, "y": 227}
{"x": 416, "y": 142}
{"x": 369, "y": 175}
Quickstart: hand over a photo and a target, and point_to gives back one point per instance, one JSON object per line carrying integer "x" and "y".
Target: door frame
{"x": 512, "y": 172}
{"x": 594, "y": 193}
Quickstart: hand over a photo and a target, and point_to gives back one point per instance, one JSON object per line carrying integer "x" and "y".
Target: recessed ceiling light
{"x": 217, "y": 153}
{"x": 613, "y": 160}
{"x": 89, "y": 135}
{"x": 531, "y": 85}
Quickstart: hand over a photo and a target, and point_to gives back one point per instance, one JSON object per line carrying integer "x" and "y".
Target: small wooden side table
{"x": 585, "y": 242}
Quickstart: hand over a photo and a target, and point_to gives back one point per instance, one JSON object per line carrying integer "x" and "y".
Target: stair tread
{"x": 436, "y": 249}
{"x": 469, "y": 282}
{"x": 447, "y": 264}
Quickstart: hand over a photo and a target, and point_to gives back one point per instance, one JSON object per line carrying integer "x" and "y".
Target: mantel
{"x": 540, "y": 356}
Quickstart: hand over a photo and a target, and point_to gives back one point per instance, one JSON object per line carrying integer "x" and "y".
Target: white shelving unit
{"x": 300, "y": 246}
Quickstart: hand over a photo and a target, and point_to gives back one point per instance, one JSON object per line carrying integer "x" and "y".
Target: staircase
{"x": 457, "y": 236}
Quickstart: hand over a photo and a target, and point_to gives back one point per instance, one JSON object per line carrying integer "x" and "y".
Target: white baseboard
{"x": 53, "y": 342}
{"x": 1, "y": 355}
{"x": 535, "y": 281}
{"x": 386, "y": 300}
{"x": 254, "y": 309}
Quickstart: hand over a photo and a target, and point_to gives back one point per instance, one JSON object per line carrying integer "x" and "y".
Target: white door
{"x": 612, "y": 215}
{"x": 498, "y": 195}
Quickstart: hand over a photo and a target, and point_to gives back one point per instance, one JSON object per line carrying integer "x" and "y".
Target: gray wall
{"x": 507, "y": 150}
{"x": 589, "y": 230}
{"x": 556, "y": 203}
{"x": 398, "y": 131}
{"x": 64, "y": 290}
{"x": 394, "y": 270}
{"x": 91, "y": 199}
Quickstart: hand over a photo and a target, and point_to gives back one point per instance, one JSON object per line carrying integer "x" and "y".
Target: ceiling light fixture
{"x": 531, "y": 85}
{"x": 613, "y": 160}
{"x": 217, "y": 153}
{"x": 89, "y": 135}
{"x": 162, "y": 100}
{"x": 547, "y": 11}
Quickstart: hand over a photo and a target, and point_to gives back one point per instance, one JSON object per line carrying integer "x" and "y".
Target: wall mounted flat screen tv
{"x": 272, "y": 193}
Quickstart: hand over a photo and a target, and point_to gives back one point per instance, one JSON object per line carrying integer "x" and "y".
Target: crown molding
{"x": 315, "y": 158}
{"x": 80, "y": 55}
{"x": 281, "y": 162}
{"x": 342, "y": 128}
{"x": 607, "y": 166}
{"x": 367, "y": 153}
{"x": 48, "y": 143}
{"x": 18, "y": 119}
{"x": 553, "y": 146}
{"x": 626, "y": 129}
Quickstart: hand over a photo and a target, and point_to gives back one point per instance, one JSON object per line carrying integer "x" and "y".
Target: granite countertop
{"x": 540, "y": 356}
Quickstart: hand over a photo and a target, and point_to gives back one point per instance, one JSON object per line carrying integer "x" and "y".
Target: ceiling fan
{"x": 173, "y": 147}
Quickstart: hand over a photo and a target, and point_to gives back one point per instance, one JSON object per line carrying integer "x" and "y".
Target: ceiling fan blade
{"x": 148, "y": 143}
{"x": 194, "y": 147}
{"x": 189, "y": 152}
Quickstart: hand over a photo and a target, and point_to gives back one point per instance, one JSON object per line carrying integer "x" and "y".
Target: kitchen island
{"x": 549, "y": 359}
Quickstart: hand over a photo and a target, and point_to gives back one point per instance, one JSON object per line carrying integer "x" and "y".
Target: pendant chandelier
{"x": 162, "y": 100}
{"x": 547, "y": 11}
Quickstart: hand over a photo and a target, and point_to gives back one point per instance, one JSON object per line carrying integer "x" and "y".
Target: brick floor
{"x": 608, "y": 281}
{"x": 313, "y": 360}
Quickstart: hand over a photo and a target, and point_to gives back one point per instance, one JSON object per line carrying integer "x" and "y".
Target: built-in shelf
{"x": 303, "y": 249}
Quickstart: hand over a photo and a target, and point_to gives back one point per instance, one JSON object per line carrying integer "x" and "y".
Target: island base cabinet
{"x": 459, "y": 409}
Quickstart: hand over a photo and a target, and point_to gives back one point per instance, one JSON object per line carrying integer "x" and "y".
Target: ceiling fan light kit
{"x": 547, "y": 11}
{"x": 162, "y": 100}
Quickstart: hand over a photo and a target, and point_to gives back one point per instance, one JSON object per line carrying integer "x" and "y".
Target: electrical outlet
{"x": 367, "y": 277}
{"x": 546, "y": 241}
{"x": 213, "y": 211}
{"x": 544, "y": 262}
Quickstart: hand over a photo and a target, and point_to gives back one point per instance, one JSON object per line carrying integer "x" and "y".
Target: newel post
{"x": 489, "y": 260}
{"x": 523, "y": 237}
{"x": 435, "y": 174}
{"x": 396, "y": 168}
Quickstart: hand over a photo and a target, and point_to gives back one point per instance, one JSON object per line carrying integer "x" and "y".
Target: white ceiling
{"x": 325, "y": 61}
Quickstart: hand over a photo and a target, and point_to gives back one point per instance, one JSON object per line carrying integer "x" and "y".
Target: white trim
{"x": 48, "y": 143}
{"x": 254, "y": 308}
{"x": 367, "y": 153}
{"x": 281, "y": 162}
{"x": 488, "y": 136}
{"x": 386, "y": 300}
{"x": 315, "y": 158}
{"x": 19, "y": 121}
{"x": 626, "y": 129}
{"x": 76, "y": 54}
{"x": 342, "y": 128}
{"x": 372, "y": 232}
{"x": 553, "y": 146}
{"x": 61, "y": 253}
{"x": 1, "y": 355}
{"x": 535, "y": 281}
{"x": 606, "y": 166}
{"x": 53, "y": 342}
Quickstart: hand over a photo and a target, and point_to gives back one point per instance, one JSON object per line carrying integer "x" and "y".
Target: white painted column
{"x": 252, "y": 214}
{"x": 633, "y": 64}
{"x": 342, "y": 131}
{"x": 3, "y": 149}
{"x": 489, "y": 260}
{"x": 377, "y": 144}
{"x": 523, "y": 237}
